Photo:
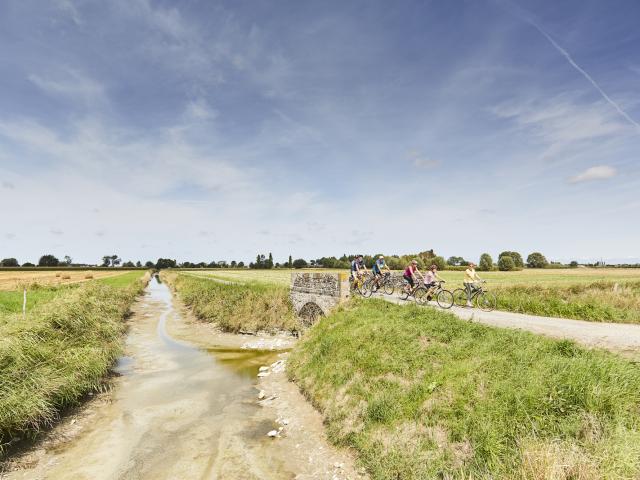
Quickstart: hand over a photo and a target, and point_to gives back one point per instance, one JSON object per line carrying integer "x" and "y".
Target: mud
{"x": 185, "y": 406}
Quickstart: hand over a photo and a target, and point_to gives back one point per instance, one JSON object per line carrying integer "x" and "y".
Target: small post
{"x": 24, "y": 302}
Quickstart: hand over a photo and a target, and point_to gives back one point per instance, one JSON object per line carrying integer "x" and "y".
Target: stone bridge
{"x": 315, "y": 294}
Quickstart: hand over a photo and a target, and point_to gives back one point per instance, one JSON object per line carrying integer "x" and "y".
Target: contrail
{"x": 566, "y": 55}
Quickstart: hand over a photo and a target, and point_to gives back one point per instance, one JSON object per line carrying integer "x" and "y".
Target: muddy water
{"x": 176, "y": 411}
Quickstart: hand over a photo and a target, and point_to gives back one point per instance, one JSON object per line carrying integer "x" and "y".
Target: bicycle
{"x": 419, "y": 293}
{"x": 385, "y": 283}
{"x": 361, "y": 285}
{"x": 444, "y": 298}
{"x": 485, "y": 301}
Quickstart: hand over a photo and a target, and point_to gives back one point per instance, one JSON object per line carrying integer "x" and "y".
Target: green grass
{"x": 420, "y": 394}
{"x": 59, "y": 352}
{"x": 123, "y": 280}
{"x": 248, "y": 307}
{"x": 11, "y": 301}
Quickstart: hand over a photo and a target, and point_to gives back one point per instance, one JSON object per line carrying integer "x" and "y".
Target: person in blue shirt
{"x": 377, "y": 269}
{"x": 357, "y": 268}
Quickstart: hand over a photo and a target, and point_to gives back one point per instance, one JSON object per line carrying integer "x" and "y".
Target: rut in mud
{"x": 178, "y": 410}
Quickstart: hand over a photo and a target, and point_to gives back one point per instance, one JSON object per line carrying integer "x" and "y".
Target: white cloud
{"x": 422, "y": 161}
{"x": 601, "y": 172}
{"x": 68, "y": 7}
{"x": 70, "y": 83}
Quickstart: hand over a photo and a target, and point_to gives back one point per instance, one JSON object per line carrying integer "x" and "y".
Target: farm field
{"x": 13, "y": 279}
{"x": 40, "y": 292}
{"x": 600, "y": 295}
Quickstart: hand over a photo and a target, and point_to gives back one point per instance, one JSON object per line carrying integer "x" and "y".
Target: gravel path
{"x": 617, "y": 337}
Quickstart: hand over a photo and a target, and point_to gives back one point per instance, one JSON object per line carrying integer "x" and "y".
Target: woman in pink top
{"x": 409, "y": 275}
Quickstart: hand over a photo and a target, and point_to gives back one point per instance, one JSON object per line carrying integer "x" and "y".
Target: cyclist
{"x": 377, "y": 268}
{"x": 357, "y": 268}
{"x": 430, "y": 279}
{"x": 470, "y": 279}
{"x": 409, "y": 275}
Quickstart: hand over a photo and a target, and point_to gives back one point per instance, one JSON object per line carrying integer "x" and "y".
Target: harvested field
{"x": 13, "y": 280}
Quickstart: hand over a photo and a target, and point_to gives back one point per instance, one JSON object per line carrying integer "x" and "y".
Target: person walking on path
{"x": 470, "y": 279}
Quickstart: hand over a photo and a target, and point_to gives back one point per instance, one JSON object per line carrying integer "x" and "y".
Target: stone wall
{"x": 315, "y": 294}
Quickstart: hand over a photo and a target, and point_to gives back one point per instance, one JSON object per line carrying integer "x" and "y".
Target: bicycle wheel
{"x": 420, "y": 295}
{"x": 367, "y": 288}
{"x": 404, "y": 294}
{"x": 486, "y": 301}
{"x": 460, "y": 297}
{"x": 388, "y": 287}
{"x": 445, "y": 299}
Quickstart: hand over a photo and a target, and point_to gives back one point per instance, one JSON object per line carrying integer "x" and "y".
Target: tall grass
{"x": 248, "y": 307}
{"x": 58, "y": 353}
{"x": 420, "y": 394}
{"x": 602, "y": 301}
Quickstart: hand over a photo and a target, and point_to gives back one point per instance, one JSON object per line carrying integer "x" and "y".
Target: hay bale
{"x": 66, "y": 277}
{"x": 88, "y": 276}
{"x": 58, "y": 274}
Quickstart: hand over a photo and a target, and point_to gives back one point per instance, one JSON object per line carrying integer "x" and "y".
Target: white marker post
{"x": 24, "y": 303}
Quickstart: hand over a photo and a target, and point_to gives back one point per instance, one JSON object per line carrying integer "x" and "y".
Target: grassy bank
{"x": 602, "y": 301}
{"x": 59, "y": 352}
{"x": 420, "y": 394}
{"x": 248, "y": 307}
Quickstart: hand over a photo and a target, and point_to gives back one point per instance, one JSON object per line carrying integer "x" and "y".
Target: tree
{"x": 515, "y": 256}
{"x": 299, "y": 263}
{"x": 290, "y": 263}
{"x": 138, "y": 264}
{"x": 48, "y": 261}
{"x": 456, "y": 261}
{"x": 506, "y": 263}
{"x": 486, "y": 262}
{"x": 28, "y": 264}
{"x": 68, "y": 260}
{"x": 128, "y": 264}
{"x": 537, "y": 260}
{"x": 165, "y": 263}
{"x": 439, "y": 262}
{"x": 573, "y": 264}
{"x": 106, "y": 260}
{"x": 234, "y": 264}
{"x": 9, "y": 262}
{"x": 269, "y": 263}
{"x": 115, "y": 260}
{"x": 110, "y": 260}
{"x": 150, "y": 264}
{"x": 240, "y": 264}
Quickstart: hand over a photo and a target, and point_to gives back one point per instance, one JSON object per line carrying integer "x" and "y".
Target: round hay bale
{"x": 58, "y": 274}
{"x": 66, "y": 277}
{"x": 88, "y": 276}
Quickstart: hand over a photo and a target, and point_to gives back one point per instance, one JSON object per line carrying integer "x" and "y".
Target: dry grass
{"x": 13, "y": 280}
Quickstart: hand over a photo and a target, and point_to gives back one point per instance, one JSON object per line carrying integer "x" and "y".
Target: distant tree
{"x": 213, "y": 264}
{"x": 9, "y": 262}
{"x": 241, "y": 264}
{"x": 234, "y": 264}
{"x": 506, "y": 263}
{"x": 67, "y": 260}
{"x": 439, "y": 262}
{"x": 48, "y": 261}
{"x": 456, "y": 261}
{"x": 290, "y": 263}
{"x": 106, "y": 260}
{"x": 486, "y": 262}
{"x": 150, "y": 264}
{"x": 269, "y": 263}
{"x": 28, "y": 264}
{"x": 115, "y": 260}
{"x": 128, "y": 264}
{"x": 165, "y": 263}
{"x": 110, "y": 260}
{"x": 138, "y": 264}
{"x": 299, "y": 263}
{"x": 573, "y": 264}
{"x": 537, "y": 260}
{"x": 515, "y": 256}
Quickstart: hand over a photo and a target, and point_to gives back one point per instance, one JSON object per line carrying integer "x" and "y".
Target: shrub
{"x": 506, "y": 263}
{"x": 486, "y": 262}
{"x": 515, "y": 256}
{"x": 48, "y": 261}
{"x": 299, "y": 263}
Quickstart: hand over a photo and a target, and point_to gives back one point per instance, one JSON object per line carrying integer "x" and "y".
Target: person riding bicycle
{"x": 358, "y": 268}
{"x": 377, "y": 268}
{"x": 430, "y": 279}
{"x": 470, "y": 280}
{"x": 409, "y": 275}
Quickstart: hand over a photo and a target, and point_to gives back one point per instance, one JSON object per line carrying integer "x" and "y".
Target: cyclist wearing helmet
{"x": 357, "y": 268}
{"x": 409, "y": 275}
{"x": 377, "y": 268}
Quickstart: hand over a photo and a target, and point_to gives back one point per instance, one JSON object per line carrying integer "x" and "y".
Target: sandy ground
{"x": 186, "y": 406}
{"x": 616, "y": 337}
{"x": 13, "y": 280}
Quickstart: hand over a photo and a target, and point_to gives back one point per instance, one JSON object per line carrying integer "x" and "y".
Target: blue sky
{"x": 204, "y": 130}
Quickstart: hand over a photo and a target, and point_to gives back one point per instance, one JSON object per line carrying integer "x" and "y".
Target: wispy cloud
{"x": 600, "y": 172}
{"x": 420, "y": 160}
{"x": 70, "y": 83}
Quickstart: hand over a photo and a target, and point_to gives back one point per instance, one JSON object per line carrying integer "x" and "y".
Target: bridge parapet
{"x": 315, "y": 294}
